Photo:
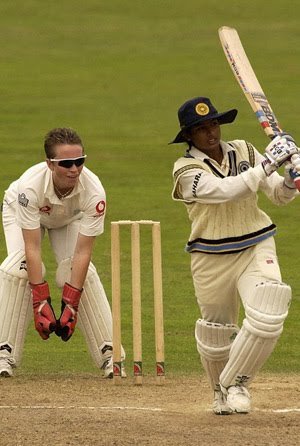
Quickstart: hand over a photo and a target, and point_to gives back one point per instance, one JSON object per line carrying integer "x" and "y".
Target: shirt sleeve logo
{"x": 195, "y": 184}
{"x": 100, "y": 208}
{"x": 22, "y": 200}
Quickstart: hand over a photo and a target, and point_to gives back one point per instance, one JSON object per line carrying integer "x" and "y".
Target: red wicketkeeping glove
{"x": 65, "y": 326}
{"x": 44, "y": 317}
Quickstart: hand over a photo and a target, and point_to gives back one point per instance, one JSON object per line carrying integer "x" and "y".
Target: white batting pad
{"x": 265, "y": 315}
{"x": 95, "y": 319}
{"x": 213, "y": 344}
{"x": 94, "y": 313}
{"x": 63, "y": 272}
{"x": 15, "y": 306}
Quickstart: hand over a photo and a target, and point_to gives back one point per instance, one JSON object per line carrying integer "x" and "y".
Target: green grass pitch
{"x": 116, "y": 72}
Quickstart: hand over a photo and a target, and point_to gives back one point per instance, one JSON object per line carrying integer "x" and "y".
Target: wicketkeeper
{"x": 233, "y": 254}
{"x": 63, "y": 198}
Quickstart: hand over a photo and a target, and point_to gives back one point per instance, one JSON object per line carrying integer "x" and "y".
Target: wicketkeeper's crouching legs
{"x": 265, "y": 311}
{"x": 15, "y": 310}
{"x": 94, "y": 316}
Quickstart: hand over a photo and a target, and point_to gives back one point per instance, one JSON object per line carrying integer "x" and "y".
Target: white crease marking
{"x": 149, "y": 409}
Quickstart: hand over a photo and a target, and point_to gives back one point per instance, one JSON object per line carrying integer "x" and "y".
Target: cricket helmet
{"x": 198, "y": 110}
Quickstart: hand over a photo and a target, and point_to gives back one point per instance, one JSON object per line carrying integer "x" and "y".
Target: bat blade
{"x": 245, "y": 75}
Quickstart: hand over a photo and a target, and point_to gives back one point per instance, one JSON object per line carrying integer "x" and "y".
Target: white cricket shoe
{"x": 220, "y": 405}
{"x": 109, "y": 369}
{"x": 6, "y": 366}
{"x": 238, "y": 399}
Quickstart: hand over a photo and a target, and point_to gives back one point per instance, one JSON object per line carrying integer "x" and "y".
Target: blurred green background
{"x": 117, "y": 72}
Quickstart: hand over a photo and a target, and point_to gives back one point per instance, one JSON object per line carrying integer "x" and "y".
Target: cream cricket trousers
{"x": 222, "y": 281}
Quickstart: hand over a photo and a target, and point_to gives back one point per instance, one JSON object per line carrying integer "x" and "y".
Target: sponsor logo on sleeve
{"x": 100, "y": 208}
{"x": 23, "y": 201}
{"x": 195, "y": 184}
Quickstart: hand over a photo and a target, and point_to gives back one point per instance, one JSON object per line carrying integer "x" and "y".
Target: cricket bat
{"x": 244, "y": 74}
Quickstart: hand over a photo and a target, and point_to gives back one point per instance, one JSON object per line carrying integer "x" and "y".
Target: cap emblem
{"x": 202, "y": 109}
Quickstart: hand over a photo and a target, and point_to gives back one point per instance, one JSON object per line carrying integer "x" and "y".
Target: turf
{"x": 117, "y": 73}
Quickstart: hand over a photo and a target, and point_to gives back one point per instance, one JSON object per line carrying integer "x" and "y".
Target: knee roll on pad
{"x": 214, "y": 340}
{"x": 15, "y": 265}
{"x": 267, "y": 309}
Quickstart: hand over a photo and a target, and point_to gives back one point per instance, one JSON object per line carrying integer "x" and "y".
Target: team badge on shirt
{"x": 243, "y": 166}
{"x": 23, "y": 201}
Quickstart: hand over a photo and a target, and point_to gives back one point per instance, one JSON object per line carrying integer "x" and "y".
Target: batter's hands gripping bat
{"x": 248, "y": 81}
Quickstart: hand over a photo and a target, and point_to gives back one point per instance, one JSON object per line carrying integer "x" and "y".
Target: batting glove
{"x": 69, "y": 309}
{"x": 295, "y": 160}
{"x": 294, "y": 170}
{"x": 288, "y": 137}
{"x": 44, "y": 317}
{"x": 277, "y": 152}
{"x": 289, "y": 175}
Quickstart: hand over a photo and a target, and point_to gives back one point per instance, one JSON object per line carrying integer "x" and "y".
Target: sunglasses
{"x": 67, "y": 163}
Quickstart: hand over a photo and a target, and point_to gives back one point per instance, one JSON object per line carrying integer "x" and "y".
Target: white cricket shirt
{"x": 37, "y": 203}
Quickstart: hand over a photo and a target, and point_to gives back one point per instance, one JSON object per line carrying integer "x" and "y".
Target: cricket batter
{"x": 233, "y": 254}
{"x": 67, "y": 200}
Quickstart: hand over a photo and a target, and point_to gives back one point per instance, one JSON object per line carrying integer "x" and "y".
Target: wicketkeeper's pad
{"x": 94, "y": 313}
{"x": 15, "y": 306}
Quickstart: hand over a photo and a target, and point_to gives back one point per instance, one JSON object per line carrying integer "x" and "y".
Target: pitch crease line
{"x": 149, "y": 409}
{"x": 293, "y": 410}
{"x": 133, "y": 408}
{"x": 285, "y": 410}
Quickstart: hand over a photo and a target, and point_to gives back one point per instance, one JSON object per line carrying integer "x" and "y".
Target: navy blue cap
{"x": 197, "y": 110}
